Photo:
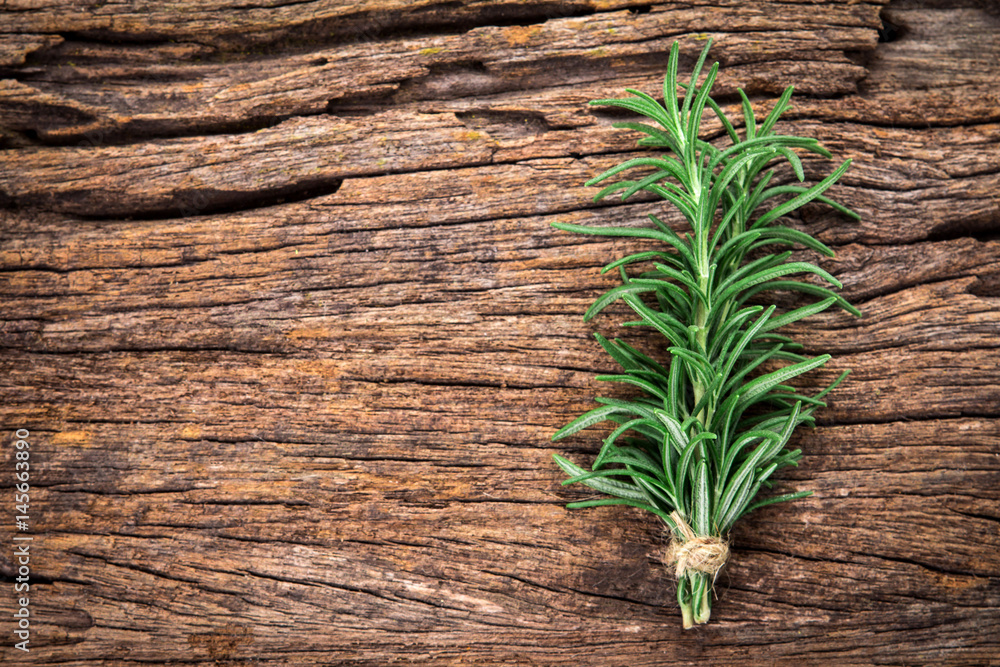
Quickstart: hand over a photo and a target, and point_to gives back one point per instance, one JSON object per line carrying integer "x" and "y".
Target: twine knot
{"x": 699, "y": 553}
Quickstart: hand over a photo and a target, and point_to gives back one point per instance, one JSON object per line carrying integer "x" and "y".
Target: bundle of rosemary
{"x": 711, "y": 427}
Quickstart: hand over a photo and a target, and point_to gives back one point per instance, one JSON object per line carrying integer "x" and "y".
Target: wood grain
{"x": 289, "y": 326}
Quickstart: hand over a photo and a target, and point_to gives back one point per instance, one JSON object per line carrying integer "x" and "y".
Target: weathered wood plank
{"x": 180, "y": 92}
{"x": 932, "y": 295}
{"x": 229, "y": 24}
{"x": 365, "y": 561}
{"x": 285, "y": 315}
{"x": 903, "y": 190}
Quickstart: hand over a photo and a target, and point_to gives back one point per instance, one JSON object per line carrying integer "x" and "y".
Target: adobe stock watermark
{"x": 21, "y": 544}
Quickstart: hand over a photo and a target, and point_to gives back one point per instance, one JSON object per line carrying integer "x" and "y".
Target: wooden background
{"x": 285, "y": 317}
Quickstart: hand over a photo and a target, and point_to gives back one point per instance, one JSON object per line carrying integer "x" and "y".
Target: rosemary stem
{"x": 685, "y": 598}
{"x": 687, "y": 615}
{"x": 704, "y": 610}
{"x": 694, "y": 595}
{"x": 701, "y": 337}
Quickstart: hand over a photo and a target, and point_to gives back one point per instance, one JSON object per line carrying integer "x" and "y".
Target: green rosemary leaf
{"x": 664, "y": 287}
{"x": 758, "y": 359}
{"x": 609, "y": 486}
{"x": 681, "y": 244}
{"x": 613, "y": 295}
{"x": 612, "y": 189}
{"x": 772, "y": 500}
{"x": 624, "y": 359}
{"x": 798, "y": 189}
{"x": 732, "y": 500}
{"x": 782, "y": 354}
{"x": 659, "y": 495}
{"x": 721, "y": 343}
{"x": 790, "y": 237}
{"x": 662, "y": 138}
{"x": 632, "y": 456}
{"x": 693, "y": 86}
{"x": 735, "y": 354}
{"x": 750, "y": 269}
{"x": 672, "y": 302}
{"x": 794, "y": 160}
{"x": 799, "y": 314}
{"x": 791, "y": 397}
{"x": 666, "y": 164}
{"x": 749, "y": 118}
{"x": 696, "y": 362}
{"x": 639, "y": 232}
{"x": 595, "y": 416}
{"x": 682, "y": 204}
{"x": 673, "y": 258}
{"x": 760, "y": 386}
{"x": 683, "y": 467}
{"x": 670, "y": 88}
{"x": 632, "y": 406}
{"x": 750, "y": 202}
{"x": 663, "y": 227}
{"x": 791, "y": 457}
{"x": 796, "y": 286}
{"x": 804, "y": 197}
{"x": 773, "y": 141}
{"x": 833, "y": 385}
{"x": 736, "y": 450}
{"x": 653, "y": 180}
{"x": 651, "y": 435}
{"x": 736, "y": 246}
{"x": 737, "y": 166}
{"x": 726, "y": 123}
{"x": 613, "y": 501}
{"x": 702, "y": 511}
{"x": 662, "y": 322}
{"x": 654, "y": 376}
{"x": 609, "y": 449}
{"x": 780, "y": 107}
{"x": 776, "y": 272}
{"x": 728, "y": 228}
{"x": 639, "y": 357}
{"x": 698, "y": 108}
{"x": 601, "y": 480}
{"x": 644, "y": 105}
{"x": 638, "y": 382}
{"x": 683, "y": 278}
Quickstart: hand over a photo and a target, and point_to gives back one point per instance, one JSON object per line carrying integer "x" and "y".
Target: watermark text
{"x": 22, "y": 542}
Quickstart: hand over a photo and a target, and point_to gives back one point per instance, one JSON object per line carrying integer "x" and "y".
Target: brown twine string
{"x": 703, "y": 553}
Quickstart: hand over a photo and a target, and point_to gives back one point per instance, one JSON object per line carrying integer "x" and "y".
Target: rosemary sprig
{"x": 709, "y": 432}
